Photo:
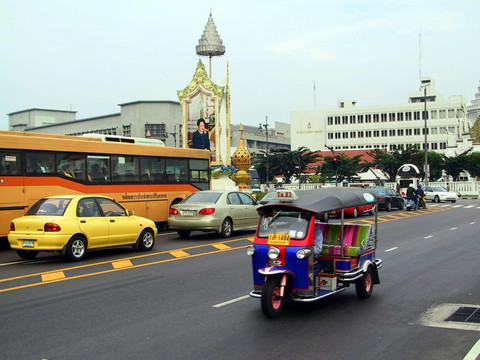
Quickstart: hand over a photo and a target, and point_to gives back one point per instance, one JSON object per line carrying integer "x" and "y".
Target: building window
{"x": 376, "y": 133}
{"x": 155, "y": 131}
{"x": 384, "y": 117}
{"x": 375, "y": 118}
{"x": 360, "y": 134}
{"x": 391, "y": 117}
{"x": 330, "y": 136}
{"x": 451, "y": 113}
{"x": 434, "y": 131}
{"x": 416, "y": 131}
{"x": 345, "y": 135}
{"x": 337, "y": 120}
{"x": 434, "y": 146}
{"x": 442, "y": 114}
{"x": 337, "y": 135}
{"x": 345, "y": 120}
{"x": 360, "y": 119}
{"x": 443, "y": 146}
{"x": 434, "y": 114}
{"x": 127, "y": 130}
{"x": 368, "y": 118}
{"x": 423, "y": 131}
{"x": 353, "y": 120}
{"x": 400, "y": 116}
{"x": 353, "y": 134}
{"x": 416, "y": 115}
{"x": 368, "y": 134}
{"x": 384, "y": 133}
{"x": 408, "y": 132}
{"x": 330, "y": 120}
{"x": 400, "y": 132}
{"x": 392, "y": 133}
{"x": 408, "y": 116}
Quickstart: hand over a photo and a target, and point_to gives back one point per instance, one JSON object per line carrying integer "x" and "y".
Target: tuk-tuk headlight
{"x": 250, "y": 250}
{"x": 303, "y": 253}
{"x": 273, "y": 253}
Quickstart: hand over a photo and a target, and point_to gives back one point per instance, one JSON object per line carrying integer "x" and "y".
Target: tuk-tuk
{"x": 296, "y": 256}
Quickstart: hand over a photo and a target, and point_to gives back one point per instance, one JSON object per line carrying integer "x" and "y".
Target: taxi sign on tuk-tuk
{"x": 285, "y": 196}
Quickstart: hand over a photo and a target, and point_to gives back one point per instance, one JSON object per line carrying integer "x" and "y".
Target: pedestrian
{"x": 448, "y": 187}
{"x": 201, "y": 139}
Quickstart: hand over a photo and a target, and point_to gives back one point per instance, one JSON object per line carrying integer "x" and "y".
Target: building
{"x": 390, "y": 127}
{"x": 473, "y": 110}
{"x": 255, "y": 138}
{"x": 156, "y": 119}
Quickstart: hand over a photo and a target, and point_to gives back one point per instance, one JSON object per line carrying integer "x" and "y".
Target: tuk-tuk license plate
{"x": 278, "y": 239}
{"x": 28, "y": 243}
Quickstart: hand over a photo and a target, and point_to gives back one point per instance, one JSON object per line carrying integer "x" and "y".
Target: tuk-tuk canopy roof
{"x": 326, "y": 199}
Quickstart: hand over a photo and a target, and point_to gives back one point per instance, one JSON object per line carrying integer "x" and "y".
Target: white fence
{"x": 465, "y": 188}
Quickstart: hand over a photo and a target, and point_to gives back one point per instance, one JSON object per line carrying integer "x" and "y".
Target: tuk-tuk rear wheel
{"x": 272, "y": 304}
{"x": 364, "y": 285}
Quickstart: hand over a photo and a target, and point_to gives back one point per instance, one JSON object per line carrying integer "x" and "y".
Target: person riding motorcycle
{"x": 412, "y": 194}
{"x": 421, "y": 196}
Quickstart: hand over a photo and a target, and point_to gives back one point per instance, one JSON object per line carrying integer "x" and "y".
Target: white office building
{"x": 390, "y": 127}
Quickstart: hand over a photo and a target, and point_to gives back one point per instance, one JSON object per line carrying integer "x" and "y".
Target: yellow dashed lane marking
{"x": 121, "y": 264}
{"x": 53, "y": 276}
{"x": 221, "y": 246}
{"x": 179, "y": 253}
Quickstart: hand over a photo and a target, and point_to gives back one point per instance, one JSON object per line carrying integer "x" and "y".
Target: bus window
{"x": 125, "y": 169}
{"x": 198, "y": 171}
{"x": 98, "y": 169}
{"x": 152, "y": 169}
{"x": 176, "y": 170}
{"x": 72, "y": 166}
{"x": 10, "y": 163}
{"x": 40, "y": 163}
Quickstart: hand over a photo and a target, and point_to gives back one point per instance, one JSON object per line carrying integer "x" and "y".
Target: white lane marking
{"x": 231, "y": 301}
{"x": 473, "y": 222}
{"x": 454, "y": 228}
{"x": 474, "y": 352}
{"x": 469, "y": 206}
{"x": 456, "y": 206}
{"x": 428, "y": 237}
{"x": 15, "y": 262}
{"x": 166, "y": 233}
{"x": 391, "y": 249}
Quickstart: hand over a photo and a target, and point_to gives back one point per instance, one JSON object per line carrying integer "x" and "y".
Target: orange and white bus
{"x": 146, "y": 178}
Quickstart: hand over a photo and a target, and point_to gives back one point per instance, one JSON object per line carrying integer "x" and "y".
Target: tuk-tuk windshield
{"x": 293, "y": 223}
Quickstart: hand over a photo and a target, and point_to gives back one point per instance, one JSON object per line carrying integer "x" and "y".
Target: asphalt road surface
{"x": 188, "y": 299}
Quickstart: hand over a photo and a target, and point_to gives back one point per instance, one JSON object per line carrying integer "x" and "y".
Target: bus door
{"x": 12, "y": 189}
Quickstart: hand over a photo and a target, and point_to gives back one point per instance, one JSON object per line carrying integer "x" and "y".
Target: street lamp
{"x": 266, "y": 134}
{"x": 425, "y": 130}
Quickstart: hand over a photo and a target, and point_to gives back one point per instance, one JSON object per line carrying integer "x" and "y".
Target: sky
{"x": 91, "y": 55}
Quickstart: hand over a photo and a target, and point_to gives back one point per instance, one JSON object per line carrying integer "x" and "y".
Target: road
{"x": 188, "y": 299}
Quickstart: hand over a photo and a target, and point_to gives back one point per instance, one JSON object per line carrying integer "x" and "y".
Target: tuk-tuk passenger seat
{"x": 355, "y": 238}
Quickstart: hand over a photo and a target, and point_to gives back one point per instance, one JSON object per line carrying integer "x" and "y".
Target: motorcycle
{"x": 297, "y": 257}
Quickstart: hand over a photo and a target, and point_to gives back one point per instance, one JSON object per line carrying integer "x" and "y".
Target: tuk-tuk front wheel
{"x": 364, "y": 285}
{"x": 272, "y": 303}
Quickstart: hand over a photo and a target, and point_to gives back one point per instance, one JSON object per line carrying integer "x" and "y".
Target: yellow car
{"x": 73, "y": 224}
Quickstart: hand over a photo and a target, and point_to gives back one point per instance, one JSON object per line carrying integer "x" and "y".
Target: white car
{"x": 438, "y": 193}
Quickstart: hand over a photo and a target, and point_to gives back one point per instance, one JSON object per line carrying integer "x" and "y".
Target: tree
{"x": 455, "y": 165}
{"x": 292, "y": 163}
{"x": 472, "y": 164}
{"x": 343, "y": 168}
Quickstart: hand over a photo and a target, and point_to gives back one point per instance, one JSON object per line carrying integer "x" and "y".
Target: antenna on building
{"x": 420, "y": 45}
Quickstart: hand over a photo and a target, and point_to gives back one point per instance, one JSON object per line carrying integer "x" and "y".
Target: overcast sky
{"x": 91, "y": 55}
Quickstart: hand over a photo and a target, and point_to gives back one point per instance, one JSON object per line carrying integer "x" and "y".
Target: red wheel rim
{"x": 276, "y": 301}
{"x": 368, "y": 282}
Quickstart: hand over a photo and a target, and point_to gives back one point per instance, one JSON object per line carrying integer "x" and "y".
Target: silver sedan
{"x": 219, "y": 211}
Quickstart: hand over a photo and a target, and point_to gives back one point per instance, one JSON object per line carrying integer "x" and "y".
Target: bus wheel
{"x": 364, "y": 285}
{"x": 27, "y": 254}
{"x": 146, "y": 240}
{"x": 226, "y": 229}
{"x": 272, "y": 304}
{"x": 183, "y": 233}
{"x": 76, "y": 248}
